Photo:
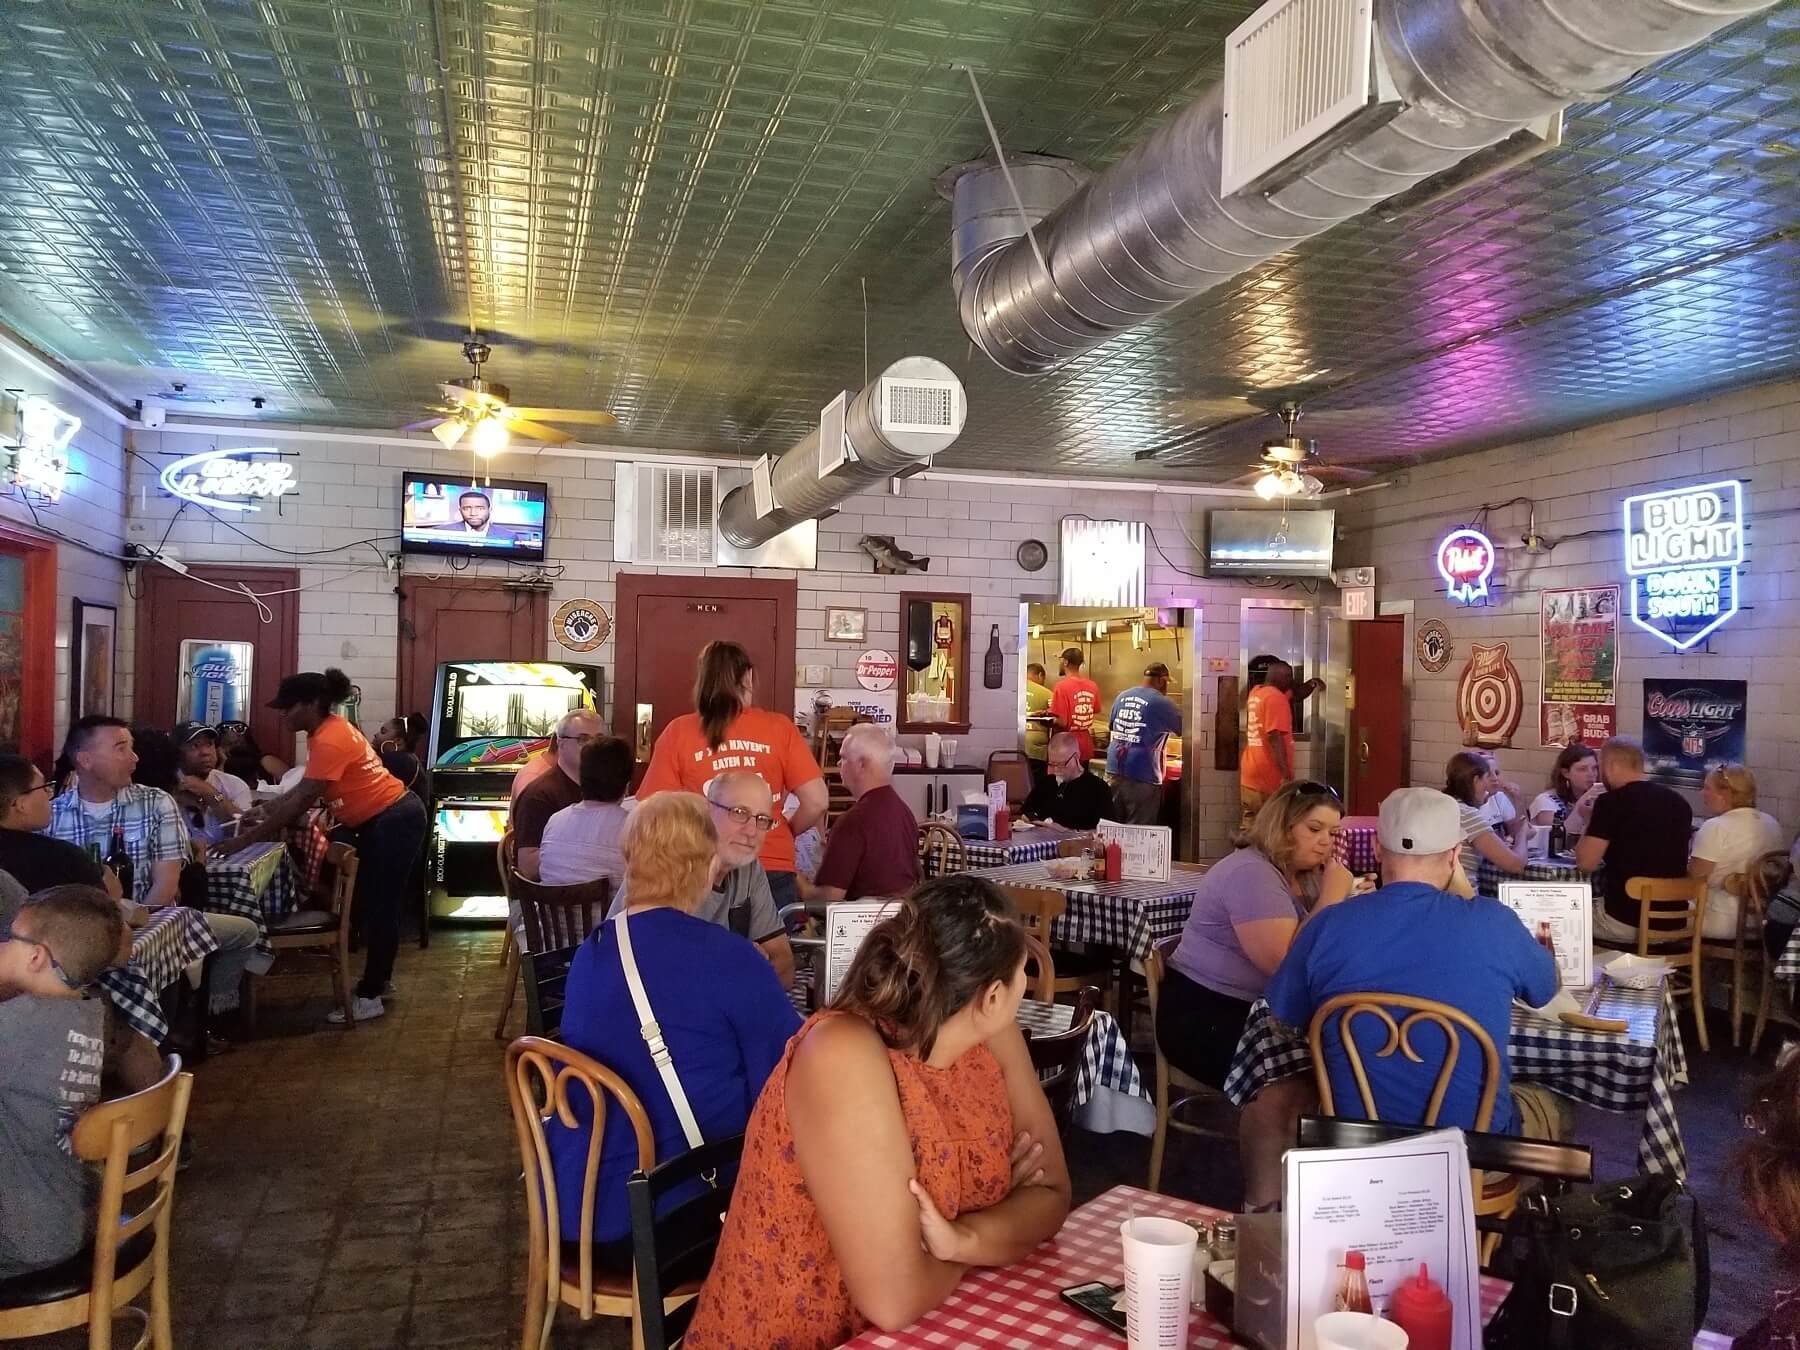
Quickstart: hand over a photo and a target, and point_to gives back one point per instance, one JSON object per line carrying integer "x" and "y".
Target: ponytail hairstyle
{"x": 718, "y": 688}
{"x": 950, "y": 940}
{"x": 311, "y": 689}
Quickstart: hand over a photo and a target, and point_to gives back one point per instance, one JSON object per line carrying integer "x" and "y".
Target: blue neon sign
{"x": 1683, "y": 547}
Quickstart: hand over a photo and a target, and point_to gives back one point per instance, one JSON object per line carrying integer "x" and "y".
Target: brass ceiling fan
{"x": 480, "y": 409}
{"x": 1290, "y": 465}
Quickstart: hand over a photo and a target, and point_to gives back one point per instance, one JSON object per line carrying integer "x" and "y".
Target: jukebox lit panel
{"x": 494, "y": 715}
{"x": 467, "y": 881}
{"x": 483, "y": 824}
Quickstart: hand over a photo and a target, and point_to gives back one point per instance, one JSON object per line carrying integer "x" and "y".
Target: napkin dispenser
{"x": 1259, "y": 1305}
{"x": 972, "y": 820}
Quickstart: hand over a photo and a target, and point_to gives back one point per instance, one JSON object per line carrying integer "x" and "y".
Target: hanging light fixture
{"x": 489, "y": 437}
{"x": 450, "y": 431}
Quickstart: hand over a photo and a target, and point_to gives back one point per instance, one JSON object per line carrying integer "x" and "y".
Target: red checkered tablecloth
{"x": 1356, "y": 846}
{"x": 1020, "y": 1305}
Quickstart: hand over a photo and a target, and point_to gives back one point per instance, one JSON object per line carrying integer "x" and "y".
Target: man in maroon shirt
{"x": 874, "y": 847}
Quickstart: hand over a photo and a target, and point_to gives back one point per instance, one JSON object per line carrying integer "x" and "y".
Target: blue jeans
{"x": 783, "y": 889}
{"x": 387, "y": 845}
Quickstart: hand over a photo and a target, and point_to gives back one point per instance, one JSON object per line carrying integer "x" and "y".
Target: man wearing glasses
{"x": 1070, "y": 796}
{"x": 743, "y": 812}
{"x": 554, "y": 789}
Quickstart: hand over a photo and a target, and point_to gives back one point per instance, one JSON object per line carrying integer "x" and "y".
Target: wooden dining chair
{"x": 1742, "y": 952}
{"x": 1039, "y": 907}
{"x": 1038, "y": 960}
{"x": 1671, "y": 912}
{"x": 129, "y": 1252}
{"x": 560, "y": 916}
{"x": 1014, "y": 769}
{"x": 941, "y": 849}
{"x": 1773, "y": 1001}
{"x": 1175, "y": 1091}
{"x": 506, "y": 857}
{"x": 1496, "y": 1195}
{"x": 1074, "y": 846}
{"x": 1057, "y": 1058}
{"x": 543, "y": 1081}
{"x": 672, "y": 1246}
{"x": 323, "y": 927}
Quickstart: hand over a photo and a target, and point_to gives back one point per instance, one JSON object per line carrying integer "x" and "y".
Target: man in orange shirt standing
{"x": 1075, "y": 702}
{"x": 1268, "y": 758}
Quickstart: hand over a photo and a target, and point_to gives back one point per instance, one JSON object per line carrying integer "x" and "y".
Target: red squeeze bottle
{"x": 1421, "y": 1309}
{"x": 1115, "y": 860}
{"x": 1002, "y": 824}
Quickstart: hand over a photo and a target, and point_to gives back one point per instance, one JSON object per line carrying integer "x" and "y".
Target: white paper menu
{"x": 847, "y": 923}
{"x": 1402, "y": 1205}
{"x": 1567, "y": 907}
{"x": 1144, "y": 850}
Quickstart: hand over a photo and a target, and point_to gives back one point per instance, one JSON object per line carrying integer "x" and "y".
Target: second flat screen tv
{"x": 496, "y": 518}
{"x": 1270, "y": 543}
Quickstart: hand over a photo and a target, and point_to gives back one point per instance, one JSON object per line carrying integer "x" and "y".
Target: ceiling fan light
{"x": 449, "y": 431}
{"x": 1310, "y": 486}
{"x": 1268, "y": 487}
{"x": 489, "y": 437}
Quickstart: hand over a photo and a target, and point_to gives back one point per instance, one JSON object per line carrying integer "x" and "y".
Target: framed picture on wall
{"x": 846, "y": 625}
{"x": 93, "y": 642}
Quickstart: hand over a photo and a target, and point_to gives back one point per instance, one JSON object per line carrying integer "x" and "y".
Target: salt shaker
{"x": 1202, "y": 1259}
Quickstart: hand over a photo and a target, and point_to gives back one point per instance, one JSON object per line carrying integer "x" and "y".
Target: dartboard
{"x": 1489, "y": 697}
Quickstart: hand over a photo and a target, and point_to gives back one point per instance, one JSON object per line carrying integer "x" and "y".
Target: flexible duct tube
{"x": 881, "y": 452}
{"x": 1152, "y": 231}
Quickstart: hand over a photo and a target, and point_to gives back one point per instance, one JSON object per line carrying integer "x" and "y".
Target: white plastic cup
{"x": 1159, "y": 1277}
{"x": 949, "y": 752}
{"x": 933, "y": 746}
{"x": 1357, "y": 1331}
{"x": 1537, "y": 842}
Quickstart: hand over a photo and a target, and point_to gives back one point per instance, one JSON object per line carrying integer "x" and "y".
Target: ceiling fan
{"x": 1290, "y": 465}
{"x": 480, "y": 410}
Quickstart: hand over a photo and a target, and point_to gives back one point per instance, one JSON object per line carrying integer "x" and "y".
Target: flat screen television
{"x": 497, "y": 518}
{"x": 1270, "y": 543}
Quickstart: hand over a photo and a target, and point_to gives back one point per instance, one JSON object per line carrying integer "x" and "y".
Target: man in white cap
{"x": 1414, "y": 937}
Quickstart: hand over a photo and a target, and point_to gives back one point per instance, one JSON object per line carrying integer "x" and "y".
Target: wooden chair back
{"x": 1670, "y": 913}
{"x": 1038, "y": 907}
{"x": 1012, "y": 768}
{"x": 1451, "y": 1021}
{"x": 1037, "y": 956}
{"x": 546, "y": 980}
{"x": 544, "y": 1080}
{"x": 1175, "y": 1090}
{"x": 1058, "y": 1058}
{"x": 337, "y": 886}
{"x": 506, "y": 858}
{"x": 1074, "y": 846}
{"x": 672, "y": 1247}
{"x": 560, "y": 916}
{"x": 942, "y": 849}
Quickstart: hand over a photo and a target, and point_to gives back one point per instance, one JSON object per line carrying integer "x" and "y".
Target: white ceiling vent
{"x": 664, "y": 514}
{"x": 1295, "y": 71}
{"x": 927, "y": 406}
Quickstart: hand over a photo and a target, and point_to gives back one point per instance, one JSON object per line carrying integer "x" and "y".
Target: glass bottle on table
{"x": 1353, "y": 1285}
{"x": 118, "y": 858}
{"x": 1546, "y": 939}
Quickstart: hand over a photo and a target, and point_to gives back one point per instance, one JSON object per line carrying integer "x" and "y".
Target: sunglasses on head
{"x": 1308, "y": 788}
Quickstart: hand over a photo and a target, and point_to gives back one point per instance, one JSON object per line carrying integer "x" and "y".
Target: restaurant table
{"x": 1021, "y": 1305}
{"x": 173, "y": 940}
{"x": 1124, "y": 917}
{"x": 1356, "y": 845}
{"x": 258, "y": 883}
{"x": 1787, "y": 965}
{"x": 1612, "y": 1071}
{"x": 1026, "y": 845}
{"x": 1488, "y": 878}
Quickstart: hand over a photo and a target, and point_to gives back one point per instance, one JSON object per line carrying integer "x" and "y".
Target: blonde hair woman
{"x": 1731, "y": 841}
{"x": 721, "y": 1007}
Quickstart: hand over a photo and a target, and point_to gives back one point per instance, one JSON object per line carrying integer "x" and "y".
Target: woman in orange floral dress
{"x": 902, "y": 1139}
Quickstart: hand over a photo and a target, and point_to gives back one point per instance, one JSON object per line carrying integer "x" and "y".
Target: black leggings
{"x": 386, "y": 847}
{"x": 1198, "y": 1028}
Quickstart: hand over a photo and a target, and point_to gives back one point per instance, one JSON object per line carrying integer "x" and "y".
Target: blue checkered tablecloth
{"x": 258, "y": 883}
{"x": 1124, "y": 917}
{"x": 173, "y": 940}
{"x": 1033, "y": 845}
{"x": 1105, "y": 1059}
{"x": 1787, "y": 965}
{"x": 1488, "y": 878}
{"x": 1614, "y": 1072}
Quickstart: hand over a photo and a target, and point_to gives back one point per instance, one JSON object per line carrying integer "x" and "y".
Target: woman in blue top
{"x": 722, "y": 1010}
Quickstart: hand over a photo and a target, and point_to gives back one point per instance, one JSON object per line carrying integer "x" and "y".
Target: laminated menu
{"x": 847, "y": 923}
{"x": 1560, "y": 915}
{"x": 1399, "y": 1205}
{"x": 1144, "y": 849}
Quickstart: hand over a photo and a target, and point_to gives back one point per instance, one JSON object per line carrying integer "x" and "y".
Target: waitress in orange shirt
{"x": 374, "y": 812}
{"x": 726, "y": 732}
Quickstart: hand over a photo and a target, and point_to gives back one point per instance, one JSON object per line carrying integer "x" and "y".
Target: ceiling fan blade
{"x": 426, "y": 425}
{"x": 537, "y": 431}
{"x": 1348, "y": 472}
{"x": 465, "y": 398}
{"x": 592, "y": 417}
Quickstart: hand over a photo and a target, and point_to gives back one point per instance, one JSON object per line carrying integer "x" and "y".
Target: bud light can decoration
{"x": 215, "y": 681}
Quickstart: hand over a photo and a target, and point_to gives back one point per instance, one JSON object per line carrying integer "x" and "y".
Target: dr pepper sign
{"x": 1465, "y": 560}
{"x": 1682, "y": 551}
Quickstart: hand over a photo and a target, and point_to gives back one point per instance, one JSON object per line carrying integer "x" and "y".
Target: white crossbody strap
{"x": 653, "y": 1037}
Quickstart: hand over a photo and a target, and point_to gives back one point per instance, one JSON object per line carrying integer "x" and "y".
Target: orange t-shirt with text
{"x": 1269, "y": 710}
{"x": 1074, "y": 703}
{"x": 763, "y": 742}
{"x": 359, "y": 787}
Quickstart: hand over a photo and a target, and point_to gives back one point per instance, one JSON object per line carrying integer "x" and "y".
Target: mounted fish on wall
{"x": 889, "y": 557}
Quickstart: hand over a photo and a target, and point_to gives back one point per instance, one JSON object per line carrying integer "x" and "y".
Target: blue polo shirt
{"x": 1411, "y": 938}
{"x": 1141, "y": 721}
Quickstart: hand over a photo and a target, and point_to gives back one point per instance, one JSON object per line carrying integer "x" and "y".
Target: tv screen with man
{"x": 496, "y": 518}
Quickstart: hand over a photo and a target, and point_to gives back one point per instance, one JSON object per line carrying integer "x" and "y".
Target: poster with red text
{"x": 1567, "y": 723}
{"x": 1579, "y": 637}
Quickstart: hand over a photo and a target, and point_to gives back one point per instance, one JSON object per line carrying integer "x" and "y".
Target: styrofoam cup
{"x": 1159, "y": 1276}
{"x": 1357, "y": 1331}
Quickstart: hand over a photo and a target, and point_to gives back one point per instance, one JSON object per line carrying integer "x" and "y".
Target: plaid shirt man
{"x": 149, "y": 818}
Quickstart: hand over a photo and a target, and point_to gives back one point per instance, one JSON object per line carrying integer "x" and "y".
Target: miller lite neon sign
{"x": 1465, "y": 560}
{"x": 1683, "y": 547}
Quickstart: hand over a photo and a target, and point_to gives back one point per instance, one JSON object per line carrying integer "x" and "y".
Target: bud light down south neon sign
{"x": 1683, "y": 547}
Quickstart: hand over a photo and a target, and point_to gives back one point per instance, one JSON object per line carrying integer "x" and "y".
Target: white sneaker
{"x": 362, "y": 1009}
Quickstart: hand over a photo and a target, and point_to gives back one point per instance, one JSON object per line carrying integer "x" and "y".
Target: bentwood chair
{"x": 1043, "y": 982}
{"x": 129, "y": 1252}
{"x": 1039, "y": 907}
{"x": 672, "y": 1248}
{"x": 1742, "y": 951}
{"x": 1057, "y": 1058}
{"x": 1175, "y": 1090}
{"x": 323, "y": 927}
{"x": 1495, "y": 1196}
{"x": 941, "y": 850}
{"x": 1773, "y": 1000}
{"x": 1671, "y": 912}
{"x": 506, "y": 857}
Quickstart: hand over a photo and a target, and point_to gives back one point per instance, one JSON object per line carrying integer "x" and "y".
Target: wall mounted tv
{"x": 1270, "y": 543}
{"x": 495, "y": 518}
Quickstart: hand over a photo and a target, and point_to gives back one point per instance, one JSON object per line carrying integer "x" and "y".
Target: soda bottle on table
{"x": 119, "y": 859}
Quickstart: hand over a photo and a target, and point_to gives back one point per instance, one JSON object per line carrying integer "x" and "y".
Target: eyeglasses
{"x": 743, "y": 815}
{"x": 8, "y": 935}
{"x": 46, "y": 787}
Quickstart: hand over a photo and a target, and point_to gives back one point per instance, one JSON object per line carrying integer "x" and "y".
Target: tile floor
{"x": 360, "y": 1189}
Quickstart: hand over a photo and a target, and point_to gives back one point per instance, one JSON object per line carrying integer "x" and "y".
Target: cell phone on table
{"x": 1097, "y": 1301}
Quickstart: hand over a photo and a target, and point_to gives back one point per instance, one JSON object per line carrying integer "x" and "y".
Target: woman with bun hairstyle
{"x": 902, "y": 1139}
{"x": 374, "y": 812}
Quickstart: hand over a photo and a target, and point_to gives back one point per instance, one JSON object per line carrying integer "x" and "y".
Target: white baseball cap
{"x": 1419, "y": 820}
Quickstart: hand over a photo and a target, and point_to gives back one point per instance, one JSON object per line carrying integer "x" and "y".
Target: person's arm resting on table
{"x": 1495, "y": 850}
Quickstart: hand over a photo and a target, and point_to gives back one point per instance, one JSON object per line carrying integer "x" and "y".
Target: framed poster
{"x": 93, "y": 641}
{"x": 1691, "y": 726}
{"x": 846, "y": 625}
{"x": 1578, "y": 631}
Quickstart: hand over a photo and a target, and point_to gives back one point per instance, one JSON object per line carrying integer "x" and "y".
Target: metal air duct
{"x": 1155, "y": 229}
{"x": 908, "y": 413}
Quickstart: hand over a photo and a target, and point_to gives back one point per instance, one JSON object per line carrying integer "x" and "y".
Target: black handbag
{"x": 1620, "y": 1267}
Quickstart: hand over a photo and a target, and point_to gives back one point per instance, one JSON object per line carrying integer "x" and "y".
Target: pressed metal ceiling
{"x": 671, "y": 209}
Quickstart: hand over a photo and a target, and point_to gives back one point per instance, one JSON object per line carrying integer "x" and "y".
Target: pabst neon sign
{"x": 1682, "y": 551}
{"x": 230, "y": 480}
{"x": 1465, "y": 560}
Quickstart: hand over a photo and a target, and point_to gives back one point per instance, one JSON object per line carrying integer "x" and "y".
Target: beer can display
{"x": 215, "y": 681}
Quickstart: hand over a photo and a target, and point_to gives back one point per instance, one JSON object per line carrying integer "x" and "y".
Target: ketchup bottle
{"x": 1421, "y": 1309}
{"x": 1115, "y": 860}
{"x": 1002, "y": 824}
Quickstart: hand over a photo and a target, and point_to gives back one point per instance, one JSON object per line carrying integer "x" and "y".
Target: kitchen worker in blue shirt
{"x": 1414, "y": 937}
{"x": 1143, "y": 718}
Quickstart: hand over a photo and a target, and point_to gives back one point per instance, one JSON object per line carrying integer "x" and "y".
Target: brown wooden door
{"x": 28, "y": 608}
{"x": 663, "y": 624}
{"x": 444, "y": 619}
{"x": 1378, "y": 740}
{"x": 172, "y": 609}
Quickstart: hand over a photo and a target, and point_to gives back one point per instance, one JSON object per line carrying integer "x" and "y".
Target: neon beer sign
{"x": 1465, "y": 560}
{"x": 231, "y": 480}
{"x": 1683, "y": 547}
